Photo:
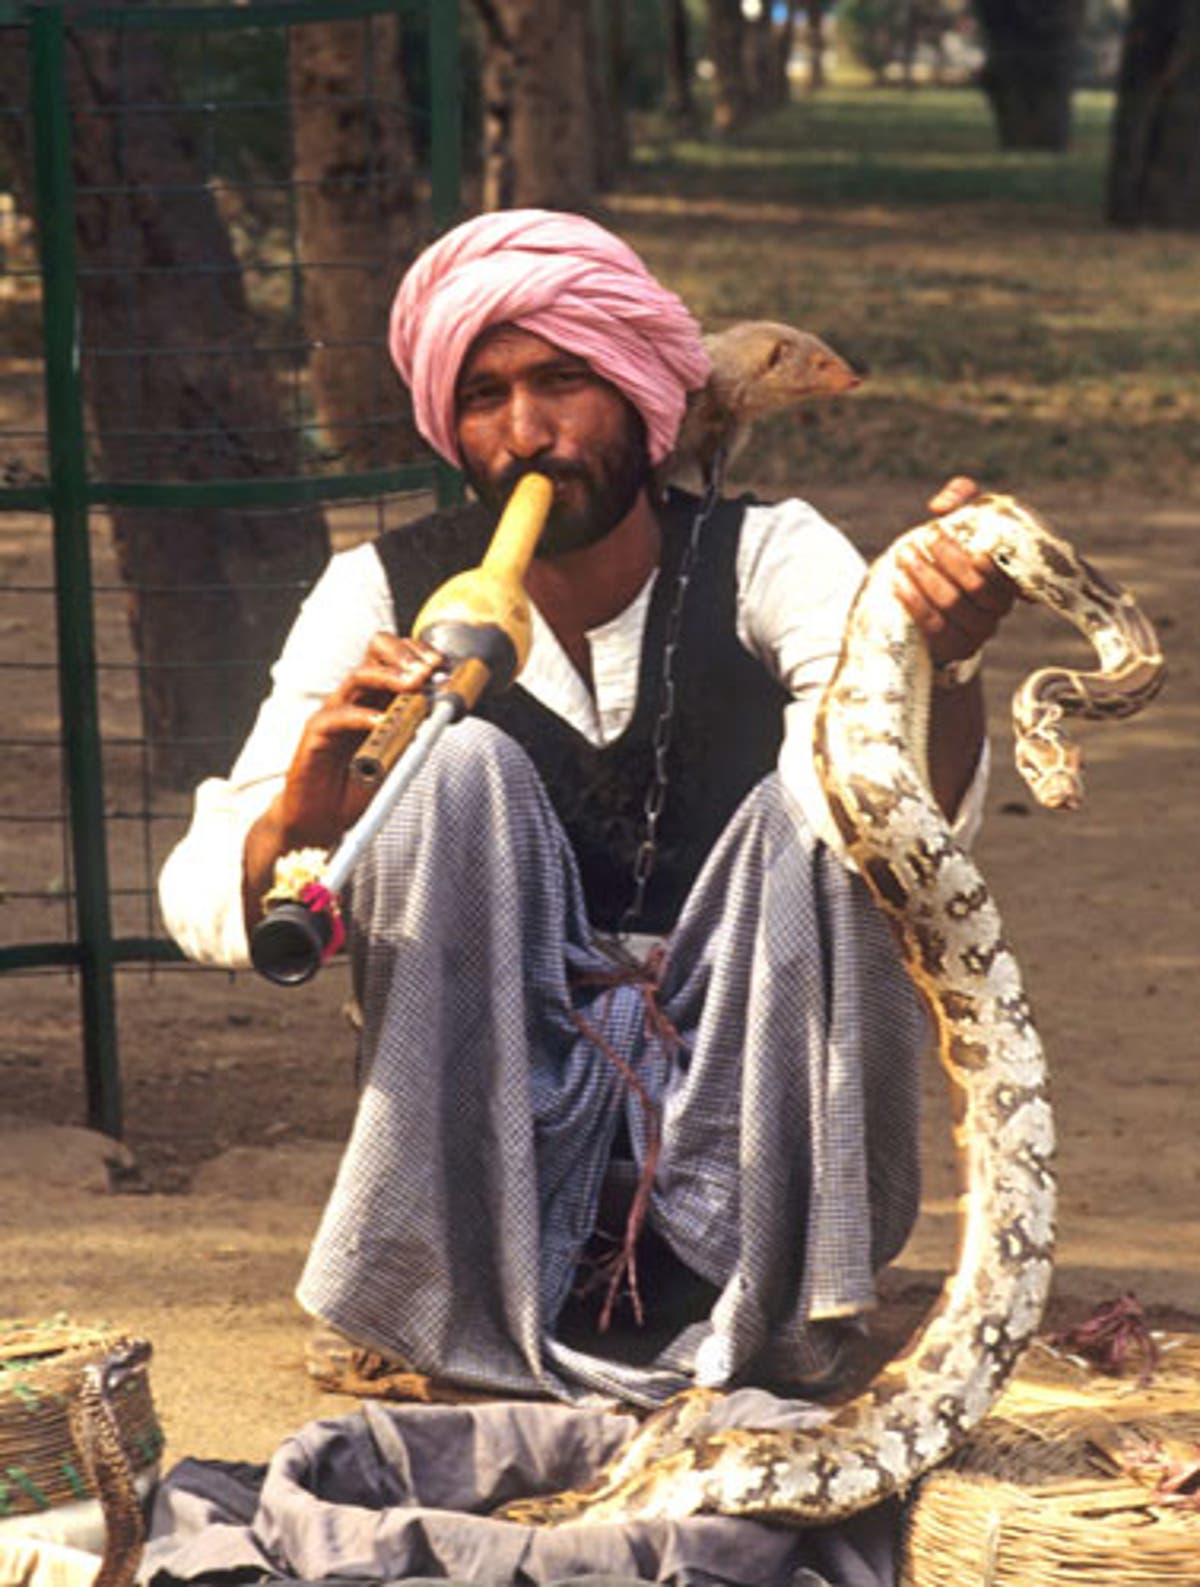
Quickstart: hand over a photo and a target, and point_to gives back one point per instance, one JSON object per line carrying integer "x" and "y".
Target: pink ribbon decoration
{"x": 316, "y": 897}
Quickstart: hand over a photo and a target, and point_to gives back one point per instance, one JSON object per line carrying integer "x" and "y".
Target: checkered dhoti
{"x": 788, "y": 1165}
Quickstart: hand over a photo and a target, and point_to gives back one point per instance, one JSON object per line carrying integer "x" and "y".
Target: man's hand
{"x": 319, "y": 800}
{"x": 957, "y": 600}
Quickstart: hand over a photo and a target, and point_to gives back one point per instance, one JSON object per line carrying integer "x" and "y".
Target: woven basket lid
{"x": 40, "y": 1364}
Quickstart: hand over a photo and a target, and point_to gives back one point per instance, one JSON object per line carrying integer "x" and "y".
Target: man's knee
{"x": 477, "y": 796}
{"x": 473, "y": 768}
{"x": 473, "y": 751}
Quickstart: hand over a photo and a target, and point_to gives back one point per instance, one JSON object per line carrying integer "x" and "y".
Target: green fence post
{"x": 72, "y": 564}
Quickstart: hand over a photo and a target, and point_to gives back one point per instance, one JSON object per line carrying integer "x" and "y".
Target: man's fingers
{"x": 319, "y": 799}
{"x": 917, "y": 604}
{"x": 411, "y": 657}
{"x": 391, "y": 665}
{"x": 338, "y": 718}
{"x": 931, "y": 587}
{"x": 978, "y": 578}
{"x": 953, "y": 629}
{"x": 376, "y": 683}
{"x": 367, "y": 686}
{"x": 957, "y": 600}
{"x": 956, "y": 492}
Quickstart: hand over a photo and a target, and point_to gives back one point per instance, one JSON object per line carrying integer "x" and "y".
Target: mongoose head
{"x": 760, "y": 367}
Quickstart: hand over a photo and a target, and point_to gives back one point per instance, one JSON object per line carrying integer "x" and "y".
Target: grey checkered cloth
{"x": 469, "y": 1188}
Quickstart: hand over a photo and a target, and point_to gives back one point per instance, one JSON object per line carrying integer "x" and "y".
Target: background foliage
{"x": 1004, "y": 328}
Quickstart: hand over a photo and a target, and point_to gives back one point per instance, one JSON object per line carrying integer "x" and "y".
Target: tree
{"x": 884, "y": 34}
{"x": 1154, "y": 170}
{"x": 175, "y": 392}
{"x": 870, "y": 30}
{"x": 608, "y": 59}
{"x": 680, "y": 101}
{"x": 1031, "y": 53}
{"x": 815, "y": 33}
{"x": 357, "y": 221}
{"x": 727, "y": 51}
{"x": 539, "y": 133}
{"x": 770, "y": 40}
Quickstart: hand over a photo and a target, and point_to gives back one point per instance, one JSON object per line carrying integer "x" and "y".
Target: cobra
{"x": 870, "y": 754}
{"x": 97, "y": 1435}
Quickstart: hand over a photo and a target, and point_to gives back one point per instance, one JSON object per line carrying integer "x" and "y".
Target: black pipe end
{"x": 288, "y": 944}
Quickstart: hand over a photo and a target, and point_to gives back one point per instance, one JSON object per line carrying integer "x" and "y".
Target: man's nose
{"x": 530, "y": 424}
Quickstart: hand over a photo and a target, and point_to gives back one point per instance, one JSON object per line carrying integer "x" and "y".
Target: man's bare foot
{"x": 339, "y": 1365}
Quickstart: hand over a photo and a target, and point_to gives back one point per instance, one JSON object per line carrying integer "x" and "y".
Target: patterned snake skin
{"x": 97, "y": 1436}
{"x": 870, "y": 738}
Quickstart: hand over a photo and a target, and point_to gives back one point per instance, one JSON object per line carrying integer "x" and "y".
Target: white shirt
{"x": 796, "y": 578}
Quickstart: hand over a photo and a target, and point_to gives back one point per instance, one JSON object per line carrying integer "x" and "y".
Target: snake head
{"x": 1051, "y": 768}
{"x": 126, "y": 1358}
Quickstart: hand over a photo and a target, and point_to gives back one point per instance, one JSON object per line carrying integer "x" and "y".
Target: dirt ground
{"x": 237, "y": 1094}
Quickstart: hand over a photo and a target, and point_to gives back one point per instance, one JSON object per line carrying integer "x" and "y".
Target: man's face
{"x": 523, "y": 404}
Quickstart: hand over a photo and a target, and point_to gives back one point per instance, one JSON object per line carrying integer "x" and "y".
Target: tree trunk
{"x": 756, "y": 63}
{"x": 496, "y": 90}
{"x": 600, "y": 96}
{"x": 815, "y": 16}
{"x": 908, "y": 43}
{"x": 1154, "y": 169}
{"x": 607, "y": 70}
{"x": 681, "y": 104}
{"x": 356, "y": 215}
{"x": 539, "y": 140}
{"x": 783, "y": 42}
{"x": 176, "y": 392}
{"x": 615, "y": 154}
{"x": 769, "y": 44}
{"x": 1032, "y": 48}
{"x": 726, "y": 48}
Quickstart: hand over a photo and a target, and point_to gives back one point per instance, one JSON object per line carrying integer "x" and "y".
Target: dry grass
{"x": 1005, "y": 329}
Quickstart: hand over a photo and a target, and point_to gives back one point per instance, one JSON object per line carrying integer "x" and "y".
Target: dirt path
{"x": 1099, "y": 905}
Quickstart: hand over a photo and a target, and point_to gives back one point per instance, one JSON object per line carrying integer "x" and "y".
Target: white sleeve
{"x": 797, "y": 577}
{"x": 200, "y": 886}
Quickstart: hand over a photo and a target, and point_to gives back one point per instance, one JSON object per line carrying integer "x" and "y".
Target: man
{"x": 759, "y": 1071}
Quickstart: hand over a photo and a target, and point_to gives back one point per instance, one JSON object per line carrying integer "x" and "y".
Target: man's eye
{"x": 476, "y": 397}
{"x": 567, "y": 379}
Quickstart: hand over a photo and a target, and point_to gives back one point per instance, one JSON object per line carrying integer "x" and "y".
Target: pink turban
{"x": 563, "y": 278}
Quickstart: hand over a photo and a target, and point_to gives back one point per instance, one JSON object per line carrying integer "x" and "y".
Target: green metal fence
{"x": 81, "y": 852}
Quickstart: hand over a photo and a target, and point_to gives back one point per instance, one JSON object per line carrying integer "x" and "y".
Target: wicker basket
{"x": 1046, "y": 1491}
{"x": 39, "y": 1368}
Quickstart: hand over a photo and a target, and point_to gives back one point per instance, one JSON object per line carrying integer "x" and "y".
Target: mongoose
{"x": 758, "y": 367}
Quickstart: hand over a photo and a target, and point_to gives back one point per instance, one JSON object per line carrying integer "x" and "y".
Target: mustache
{"x": 556, "y": 470}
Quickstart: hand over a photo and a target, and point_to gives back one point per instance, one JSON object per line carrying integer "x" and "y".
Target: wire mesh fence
{"x": 206, "y": 209}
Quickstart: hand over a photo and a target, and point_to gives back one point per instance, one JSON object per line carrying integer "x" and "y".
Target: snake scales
{"x": 870, "y": 738}
{"x": 109, "y": 1472}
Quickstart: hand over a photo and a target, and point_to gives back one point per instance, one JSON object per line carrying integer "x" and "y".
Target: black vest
{"x": 726, "y": 729}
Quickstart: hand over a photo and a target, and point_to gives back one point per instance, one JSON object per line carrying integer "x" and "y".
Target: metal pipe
{"x": 72, "y": 564}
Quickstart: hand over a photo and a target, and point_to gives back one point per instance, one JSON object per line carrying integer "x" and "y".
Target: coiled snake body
{"x": 870, "y": 753}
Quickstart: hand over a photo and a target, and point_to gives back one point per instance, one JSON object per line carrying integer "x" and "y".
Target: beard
{"x": 590, "y": 499}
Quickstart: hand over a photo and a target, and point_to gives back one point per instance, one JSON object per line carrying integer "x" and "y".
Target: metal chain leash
{"x": 656, "y": 792}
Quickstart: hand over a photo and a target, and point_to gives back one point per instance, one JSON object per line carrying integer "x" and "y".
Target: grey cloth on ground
{"x": 406, "y": 1493}
{"x": 788, "y": 1169}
